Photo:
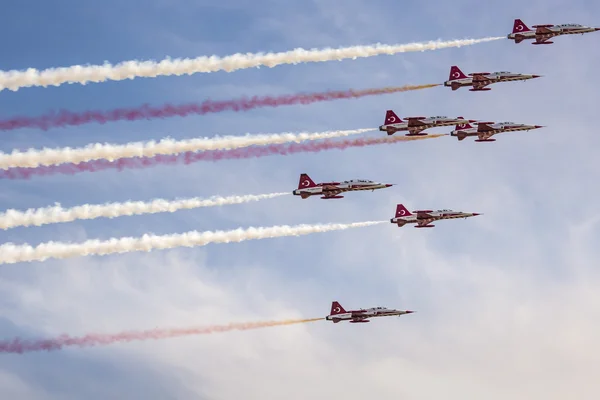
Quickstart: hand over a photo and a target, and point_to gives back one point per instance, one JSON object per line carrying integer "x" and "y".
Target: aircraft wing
{"x": 415, "y": 122}
{"x": 484, "y": 127}
{"x": 331, "y": 191}
{"x": 543, "y": 30}
{"x": 480, "y": 81}
{"x": 423, "y": 214}
{"x": 425, "y": 221}
{"x": 485, "y": 135}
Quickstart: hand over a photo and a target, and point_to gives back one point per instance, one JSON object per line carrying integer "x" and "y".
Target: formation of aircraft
{"x": 478, "y": 81}
{"x": 485, "y": 130}
{"x": 416, "y": 125}
{"x": 543, "y": 33}
{"x": 331, "y": 190}
{"x": 424, "y": 218}
{"x": 338, "y": 313}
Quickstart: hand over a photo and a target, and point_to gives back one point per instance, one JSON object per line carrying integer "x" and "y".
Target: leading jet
{"x": 416, "y": 125}
{"x": 338, "y": 313}
{"x": 424, "y": 218}
{"x": 331, "y": 190}
{"x": 478, "y": 81}
{"x": 543, "y": 33}
{"x": 485, "y": 130}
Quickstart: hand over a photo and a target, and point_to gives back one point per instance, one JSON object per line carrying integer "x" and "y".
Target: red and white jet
{"x": 423, "y": 218}
{"x": 354, "y": 316}
{"x": 543, "y": 33}
{"x": 416, "y": 125}
{"x": 479, "y": 80}
{"x": 485, "y": 130}
{"x": 331, "y": 190}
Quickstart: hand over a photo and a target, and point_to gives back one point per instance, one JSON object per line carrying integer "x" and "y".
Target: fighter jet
{"x": 331, "y": 190}
{"x": 423, "y": 218}
{"x": 415, "y": 125}
{"x": 355, "y": 316}
{"x": 479, "y": 80}
{"x": 543, "y": 33}
{"x": 485, "y": 130}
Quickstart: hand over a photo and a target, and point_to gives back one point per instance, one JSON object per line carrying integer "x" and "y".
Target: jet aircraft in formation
{"x": 416, "y": 125}
{"x": 331, "y": 190}
{"x": 543, "y": 33}
{"x": 424, "y": 218}
{"x": 480, "y": 80}
{"x": 338, "y": 313}
{"x": 477, "y": 81}
{"x": 485, "y": 130}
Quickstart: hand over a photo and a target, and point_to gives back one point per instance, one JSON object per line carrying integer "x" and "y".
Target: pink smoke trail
{"x": 67, "y": 118}
{"x": 20, "y": 346}
{"x": 217, "y": 155}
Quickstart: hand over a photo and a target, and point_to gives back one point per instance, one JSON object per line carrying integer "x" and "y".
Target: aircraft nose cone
{"x": 409, "y": 312}
{"x": 476, "y": 214}
{"x": 535, "y": 76}
{"x": 389, "y": 184}
{"x": 598, "y": 29}
{"x": 538, "y": 126}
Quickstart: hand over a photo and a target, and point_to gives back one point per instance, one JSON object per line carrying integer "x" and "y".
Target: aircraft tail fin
{"x": 391, "y": 118}
{"x": 461, "y": 126}
{"x": 456, "y": 73}
{"x": 402, "y": 211}
{"x": 336, "y": 308}
{"x": 305, "y": 182}
{"x": 520, "y": 27}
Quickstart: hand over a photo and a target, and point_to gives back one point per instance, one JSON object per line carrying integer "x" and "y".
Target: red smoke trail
{"x": 66, "y": 118}
{"x": 217, "y": 155}
{"x": 20, "y": 346}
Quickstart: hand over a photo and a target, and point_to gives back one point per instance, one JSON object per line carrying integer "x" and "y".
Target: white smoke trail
{"x": 57, "y": 214}
{"x": 33, "y": 158}
{"x": 11, "y": 253}
{"x": 13, "y": 80}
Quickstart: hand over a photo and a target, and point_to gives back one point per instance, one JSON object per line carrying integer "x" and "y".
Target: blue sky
{"x": 506, "y": 303}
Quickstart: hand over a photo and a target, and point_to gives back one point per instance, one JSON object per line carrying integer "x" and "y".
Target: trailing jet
{"x": 479, "y": 80}
{"x": 423, "y": 218}
{"x": 543, "y": 33}
{"x": 354, "y": 316}
{"x": 415, "y": 125}
{"x": 485, "y": 130}
{"x": 331, "y": 190}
